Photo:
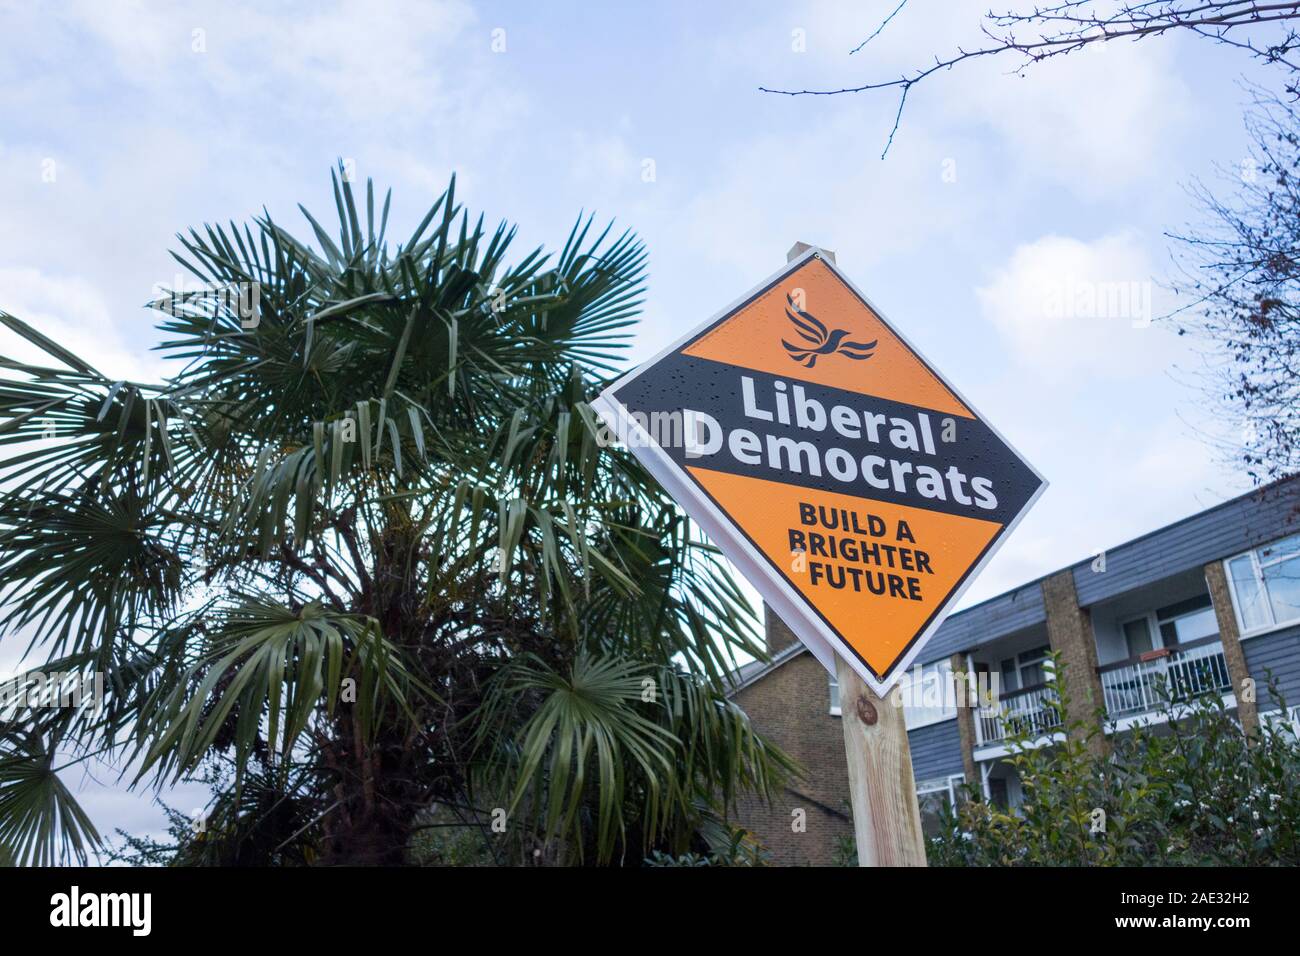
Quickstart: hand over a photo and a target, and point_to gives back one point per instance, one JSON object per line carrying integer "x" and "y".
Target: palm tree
{"x": 365, "y": 558}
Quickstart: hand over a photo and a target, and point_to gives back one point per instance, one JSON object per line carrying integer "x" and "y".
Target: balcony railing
{"x": 1032, "y": 710}
{"x": 1177, "y": 674}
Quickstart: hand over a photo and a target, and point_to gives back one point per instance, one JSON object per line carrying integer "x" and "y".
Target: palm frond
{"x": 270, "y": 669}
{"x": 41, "y": 822}
{"x": 586, "y": 734}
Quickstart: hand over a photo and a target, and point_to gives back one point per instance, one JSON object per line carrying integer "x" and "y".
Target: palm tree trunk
{"x": 372, "y": 819}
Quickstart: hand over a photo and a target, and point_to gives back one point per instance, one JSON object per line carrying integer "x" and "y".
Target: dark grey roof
{"x": 746, "y": 674}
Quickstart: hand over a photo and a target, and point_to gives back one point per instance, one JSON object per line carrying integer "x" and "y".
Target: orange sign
{"x": 854, "y": 487}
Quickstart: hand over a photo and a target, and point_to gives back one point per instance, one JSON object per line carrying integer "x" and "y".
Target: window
{"x": 1033, "y": 668}
{"x": 1187, "y": 621}
{"x": 932, "y": 796}
{"x": 1183, "y": 623}
{"x": 928, "y": 695}
{"x": 1265, "y": 585}
{"x": 1026, "y": 669}
{"x": 1286, "y": 721}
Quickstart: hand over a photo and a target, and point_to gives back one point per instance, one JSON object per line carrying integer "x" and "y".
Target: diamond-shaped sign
{"x": 853, "y": 486}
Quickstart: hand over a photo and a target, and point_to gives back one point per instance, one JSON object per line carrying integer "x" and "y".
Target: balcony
{"x": 1031, "y": 710}
{"x": 1142, "y": 684}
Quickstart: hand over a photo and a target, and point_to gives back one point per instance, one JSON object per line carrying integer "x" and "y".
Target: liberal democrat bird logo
{"x": 823, "y": 343}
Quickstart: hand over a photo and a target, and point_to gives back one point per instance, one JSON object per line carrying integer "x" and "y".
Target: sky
{"x": 1000, "y": 199}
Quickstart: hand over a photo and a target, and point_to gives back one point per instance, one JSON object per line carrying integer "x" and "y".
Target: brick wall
{"x": 791, "y": 706}
{"x": 1069, "y": 629}
{"x": 1216, "y": 580}
{"x": 965, "y": 717}
{"x": 777, "y": 634}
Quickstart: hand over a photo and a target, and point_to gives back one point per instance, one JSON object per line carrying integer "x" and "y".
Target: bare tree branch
{"x": 1242, "y": 285}
{"x": 1065, "y": 28}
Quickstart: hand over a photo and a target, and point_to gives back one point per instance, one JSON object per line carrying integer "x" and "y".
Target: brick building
{"x": 1211, "y": 603}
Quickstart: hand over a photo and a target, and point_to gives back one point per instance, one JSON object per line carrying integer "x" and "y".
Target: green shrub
{"x": 1187, "y": 791}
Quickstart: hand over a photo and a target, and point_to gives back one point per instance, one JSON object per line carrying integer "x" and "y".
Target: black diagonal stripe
{"x": 682, "y": 382}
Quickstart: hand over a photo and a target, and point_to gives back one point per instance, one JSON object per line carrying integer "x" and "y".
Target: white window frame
{"x": 950, "y": 786}
{"x": 949, "y": 713}
{"x": 1278, "y": 719}
{"x": 1045, "y": 661}
{"x": 1154, "y": 620}
{"x": 1257, "y": 567}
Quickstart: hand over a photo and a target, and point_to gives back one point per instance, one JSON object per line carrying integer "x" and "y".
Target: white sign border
{"x": 780, "y": 594}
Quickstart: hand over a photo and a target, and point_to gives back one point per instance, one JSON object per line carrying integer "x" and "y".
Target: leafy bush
{"x": 727, "y": 846}
{"x": 1189, "y": 791}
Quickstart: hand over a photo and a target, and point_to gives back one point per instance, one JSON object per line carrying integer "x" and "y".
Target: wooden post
{"x": 886, "y": 818}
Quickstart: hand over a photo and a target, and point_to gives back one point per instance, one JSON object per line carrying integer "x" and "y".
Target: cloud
{"x": 346, "y": 57}
{"x": 1099, "y": 504}
{"x": 1066, "y": 306}
{"x": 1106, "y": 117}
{"x": 71, "y": 311}
{"x": 100, "y": 165}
